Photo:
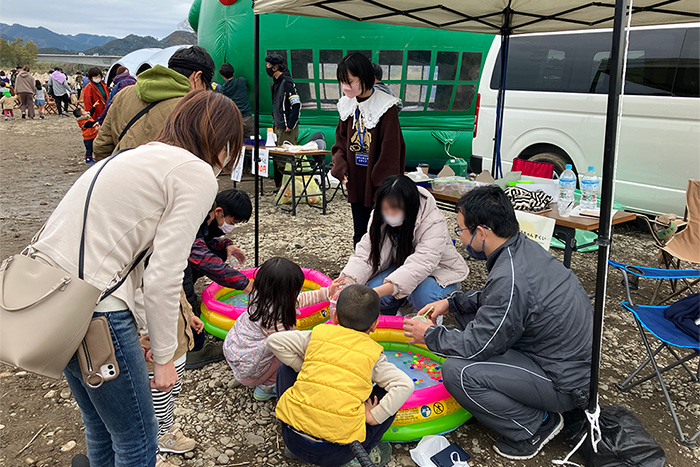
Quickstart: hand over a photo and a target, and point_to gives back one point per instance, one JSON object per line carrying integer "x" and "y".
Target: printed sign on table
{"x": 263, "y": 163}
{"x": 237, "y": 172}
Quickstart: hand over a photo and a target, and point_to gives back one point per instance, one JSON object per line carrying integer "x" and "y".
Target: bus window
{"x": 464, "y": 97}
{"x": 417, "y": 69}
{"x": 687, "y": 83}
{"x": 418, "y": 66}
{"x": 366, "y": 53}
{"x": 446, "y": 65}
{"x": 414, "y": 96}
{"x": 391, "y": 62}
{"x": 330, "y": 93}
{"x": 328, "y": 63}
{"x": 302, "y": 64}
{"x": 471, "y": 65}
{"x": 440, "y": 96}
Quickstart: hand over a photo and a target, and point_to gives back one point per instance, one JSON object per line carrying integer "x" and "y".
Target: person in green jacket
{"x": 236, "y": 90}
{"x": 190, "y": 68}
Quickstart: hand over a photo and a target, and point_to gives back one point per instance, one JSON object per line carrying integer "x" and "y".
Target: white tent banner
{"x": 487, "y": 16}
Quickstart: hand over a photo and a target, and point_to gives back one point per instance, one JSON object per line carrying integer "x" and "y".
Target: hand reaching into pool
{"x": 196, "y": 324}
{"x": 335, "y": 287}
{"x": 236, "y": 252}
{"x": 433, "y": 310}
{"x": 415, "y": 329}
{"x": 249, "y": 287}
{"x": 369, "y": 405}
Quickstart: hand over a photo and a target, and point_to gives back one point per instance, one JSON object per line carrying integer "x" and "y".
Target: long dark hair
{"x": 275, "y": 290}
{"x": 401, "y": 192}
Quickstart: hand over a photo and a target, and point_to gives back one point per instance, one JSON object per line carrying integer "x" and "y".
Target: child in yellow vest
{"x": 333, "y": 401}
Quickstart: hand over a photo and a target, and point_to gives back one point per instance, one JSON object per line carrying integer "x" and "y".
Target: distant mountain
{"x": 50, "y": 42}
{"x": 133, "y": 42}
{"x": 45, "y": 38}
{"x": 125, "y": 45}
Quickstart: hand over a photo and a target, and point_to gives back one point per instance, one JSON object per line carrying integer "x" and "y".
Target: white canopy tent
{"x": 487, "y": 16}
{"x": 506, "y": 17}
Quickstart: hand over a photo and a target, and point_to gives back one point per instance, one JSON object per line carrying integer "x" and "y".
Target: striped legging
{"x": 164, "y": 402}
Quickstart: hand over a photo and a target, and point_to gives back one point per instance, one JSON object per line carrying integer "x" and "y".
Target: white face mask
{"x": 226, "y": 227}
{"x": 394, "y": 221}
{"x": 96, "y": 80}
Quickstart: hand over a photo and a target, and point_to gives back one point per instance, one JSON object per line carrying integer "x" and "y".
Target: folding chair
{"x": 533, "y": 168}
{"x": 684, "y": 246}
{"x": 652, "y": 319}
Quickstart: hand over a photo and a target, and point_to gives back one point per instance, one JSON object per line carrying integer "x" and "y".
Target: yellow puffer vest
{"x": 327, "y": 400}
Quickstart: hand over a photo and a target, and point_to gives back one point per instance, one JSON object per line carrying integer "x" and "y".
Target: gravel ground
{"x": 38, "y": 162}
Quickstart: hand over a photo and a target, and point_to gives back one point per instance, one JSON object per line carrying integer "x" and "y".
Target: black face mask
{"x": 270, "y": 72}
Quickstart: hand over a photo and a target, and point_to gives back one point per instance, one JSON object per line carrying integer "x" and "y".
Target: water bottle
{"x": 589, "y": 190}
{"x": 567, "y": 185}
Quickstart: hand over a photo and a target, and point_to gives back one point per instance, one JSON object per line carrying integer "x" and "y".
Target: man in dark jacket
{"x": 208, "y": 256}
{"x": 522, "y": 353}
{"x": 286, "y": 106}
{"x": 237, "y": 90}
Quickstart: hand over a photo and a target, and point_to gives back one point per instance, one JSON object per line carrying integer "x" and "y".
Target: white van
{"x": 555, "y": 103}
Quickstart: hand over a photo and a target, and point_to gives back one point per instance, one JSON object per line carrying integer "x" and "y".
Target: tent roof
{"x": 487, "y": 16}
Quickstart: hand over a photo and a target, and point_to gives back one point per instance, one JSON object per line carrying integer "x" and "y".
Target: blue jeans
{"x": 88, "y": 148}
{"x": 428, "y": 291}
{"x": 120, "y": 424}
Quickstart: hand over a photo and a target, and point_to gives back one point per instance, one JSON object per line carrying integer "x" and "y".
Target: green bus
{"x": 435, "y": 73}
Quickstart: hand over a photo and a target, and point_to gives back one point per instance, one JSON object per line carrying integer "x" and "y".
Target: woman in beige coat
{"x": 407, "y": 253}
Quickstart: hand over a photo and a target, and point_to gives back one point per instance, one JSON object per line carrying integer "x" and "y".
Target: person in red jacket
{"x": 96, "y": 92}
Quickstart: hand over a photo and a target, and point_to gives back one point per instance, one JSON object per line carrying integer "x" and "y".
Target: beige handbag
{"x": 45, "y": 311}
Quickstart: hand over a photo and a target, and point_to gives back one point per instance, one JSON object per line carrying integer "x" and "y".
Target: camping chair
{"x": 684, "y": 246}
{"x": 652, "y": 319}
{"x": 532, "y": 168}
{"x": 51, "y": 106}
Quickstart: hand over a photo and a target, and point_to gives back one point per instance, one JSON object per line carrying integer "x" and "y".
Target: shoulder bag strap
{"x": 136, "y": 118}
{"x": 81, "y": 254}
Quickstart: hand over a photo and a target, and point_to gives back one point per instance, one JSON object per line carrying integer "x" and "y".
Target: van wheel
{"x": 557, "y": 160}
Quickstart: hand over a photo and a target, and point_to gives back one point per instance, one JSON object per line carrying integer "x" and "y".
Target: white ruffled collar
{"x": 371, "y": 110}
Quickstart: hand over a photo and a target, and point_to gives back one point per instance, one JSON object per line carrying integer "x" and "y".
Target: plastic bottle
{"x": 589, "y": 190}
{"x": 567, "y": 185}
{"x": 271, "y": 139}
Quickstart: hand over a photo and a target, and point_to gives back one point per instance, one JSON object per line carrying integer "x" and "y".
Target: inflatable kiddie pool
{"x": 430, "y": 410}
{"x": 221, "y": 306}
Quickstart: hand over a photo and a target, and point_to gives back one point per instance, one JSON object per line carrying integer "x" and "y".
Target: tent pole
{"x": 496, "y": 169}
{"x": 606, "y": 199}
{"x": 256, "y": 150}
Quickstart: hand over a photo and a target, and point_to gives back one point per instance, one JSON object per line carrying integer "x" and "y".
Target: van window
{"x": 580, "y": 62}
{"x": 687, "y": 83}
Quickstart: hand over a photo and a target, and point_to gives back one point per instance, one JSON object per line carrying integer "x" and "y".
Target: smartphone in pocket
{"x": 96, "y": 354}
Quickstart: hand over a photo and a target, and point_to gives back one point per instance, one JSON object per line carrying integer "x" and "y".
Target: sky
{"x": 118, "y": 18}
